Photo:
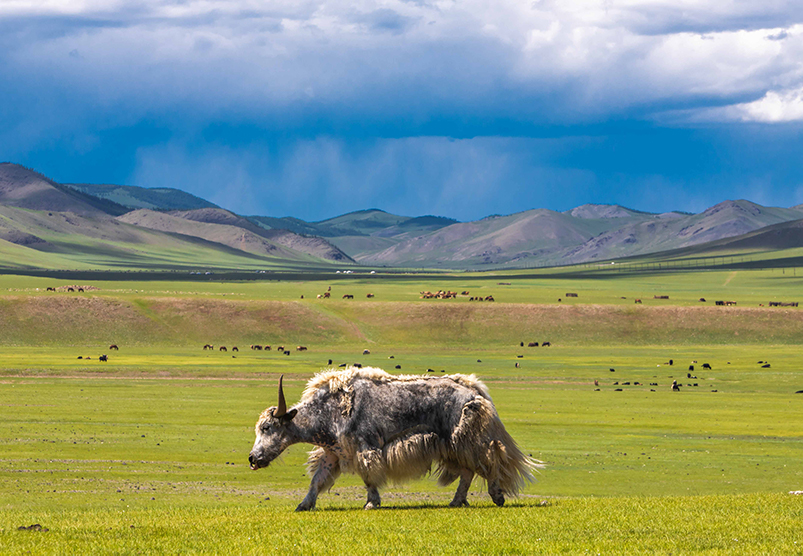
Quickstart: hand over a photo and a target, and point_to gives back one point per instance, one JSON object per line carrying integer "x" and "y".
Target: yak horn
{"x": 282, "y": 404}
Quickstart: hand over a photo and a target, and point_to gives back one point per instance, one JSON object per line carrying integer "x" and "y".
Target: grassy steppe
{"x": 147, "y": 452}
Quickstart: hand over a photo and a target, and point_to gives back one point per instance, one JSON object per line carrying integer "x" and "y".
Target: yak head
{"x": 273, "y": 433}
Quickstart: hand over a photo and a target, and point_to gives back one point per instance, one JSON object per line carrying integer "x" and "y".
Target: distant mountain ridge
{"x": 120, "y": 220}
{"x": 39, "y": 214}
{"x": 134, "y": 197}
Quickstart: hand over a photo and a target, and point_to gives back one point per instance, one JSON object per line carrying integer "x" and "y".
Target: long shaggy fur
{"x": 478, "y": 442}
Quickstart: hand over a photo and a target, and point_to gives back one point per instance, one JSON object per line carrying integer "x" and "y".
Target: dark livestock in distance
{"x": 392, "y": 428}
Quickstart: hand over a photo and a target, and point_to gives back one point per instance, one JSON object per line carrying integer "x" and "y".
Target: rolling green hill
{"x": 133, "y": 197}
{"x": 539, "y": 237}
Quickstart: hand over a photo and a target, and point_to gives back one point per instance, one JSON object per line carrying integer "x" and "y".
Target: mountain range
{"x": 45, "y": 224}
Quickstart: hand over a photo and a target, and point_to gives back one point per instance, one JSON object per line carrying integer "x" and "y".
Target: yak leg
{"x": 466, "y": 476}
{"x": 373, "y": 498}
{"x": 327, "y": 472}
{"x": 496, "y": 493}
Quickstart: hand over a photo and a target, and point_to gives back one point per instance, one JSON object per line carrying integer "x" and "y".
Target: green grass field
{"x": 147, "y": 453}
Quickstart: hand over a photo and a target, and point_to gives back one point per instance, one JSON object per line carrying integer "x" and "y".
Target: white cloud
{"x": 775, "y": 106}
{"x": 556, "y": 60}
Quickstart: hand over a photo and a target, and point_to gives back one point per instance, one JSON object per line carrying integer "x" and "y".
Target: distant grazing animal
{"x": 103, "y": 358}
{"x": 223, "y": 348}
{"x": 546, "y": 344}
{"x": 389, "y": 428}
{"x": 533, "y": 344}
{"x": 280, "y": 348}
{"x": 369, "y": 295}
{"x": 234, "y": 349}
{"x": 671, "y": 362}
{"x": 114, "y": 347}
{"x": 366, "y": 352}
{"x": 302, "y": 296}
{"x": 489, "y": 298}
{"x": 301, "y": 348}
{"x": 702, "y": 300}
{"x": 706, "y": 366}
{"x": 765, "y": 366}
{"x": 348, "y": 296}
{"x": 571, "y": 295}
{"x": 660, "y": 297}
{"x": 637, "y": 301}
{"x": 208, "y": 346}
{"x": 266, "y": 348}
{"x": 256, "y": 347}
{"x": 287, "y": 352}
{"x": 398, "y": 366}
{"x": 719, "y": 302}
{"x": 522, "y": 344}
{"x": 464, "y": 293}
{"x": 691, "y": 367}
{"x": 327, "y": 295}
{"x": 70, "y": 289}
{"x": 675, "y": 387}
{"x": 81, "y": 290}
{"x": 517, "y": 365}
{"x": 330, "y": 361}
{"x": 51, "y": 289}
{"x": 612, "y": 370}
{"x": 80, "y": 357}
{"x": 319, "y": 296}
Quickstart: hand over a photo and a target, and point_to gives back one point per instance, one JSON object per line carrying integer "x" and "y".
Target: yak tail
{"x": 513, "y": 469}
{"x": 481, "y": 443}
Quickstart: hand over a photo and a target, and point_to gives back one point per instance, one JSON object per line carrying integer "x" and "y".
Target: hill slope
{"x": 310, "y": 245}
{"x": 724, "y": 220}
{"x": 133, "y": 197}
{"x": 24, "y": 188}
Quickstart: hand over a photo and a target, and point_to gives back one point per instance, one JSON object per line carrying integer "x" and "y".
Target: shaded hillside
{"x": 24, "y": 188}
{"x": 310, "y": 245}
{"x": 726, "y": 219}
{"x": 231, "y": 236}
{"x": 134, "y": 197}
{"x": 495, "y": 240}
{"x": 65, "y": 240}
{"x": 778, "y": 237}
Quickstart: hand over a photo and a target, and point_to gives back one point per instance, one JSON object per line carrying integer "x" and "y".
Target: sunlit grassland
{"x": 146, "y": 453}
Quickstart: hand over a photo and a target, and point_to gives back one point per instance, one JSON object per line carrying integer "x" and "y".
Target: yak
{"x": 393, "y": 428}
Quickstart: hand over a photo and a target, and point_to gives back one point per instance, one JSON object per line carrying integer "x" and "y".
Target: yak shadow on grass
{"x": 445, "y": 507}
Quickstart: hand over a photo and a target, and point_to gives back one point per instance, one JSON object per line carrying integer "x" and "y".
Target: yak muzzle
{"x": 257, "y": 462}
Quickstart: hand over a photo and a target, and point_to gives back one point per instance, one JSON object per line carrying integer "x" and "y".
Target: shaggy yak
{"x": 391, "y": 428}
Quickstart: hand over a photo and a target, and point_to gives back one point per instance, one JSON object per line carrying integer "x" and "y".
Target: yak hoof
{"x": 304, "y": 507}
{"x": 371, "y": 506}
{"x": 458, "y": 504}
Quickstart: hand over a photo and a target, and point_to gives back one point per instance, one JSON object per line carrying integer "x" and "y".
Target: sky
{"x": 315, "y": 108}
